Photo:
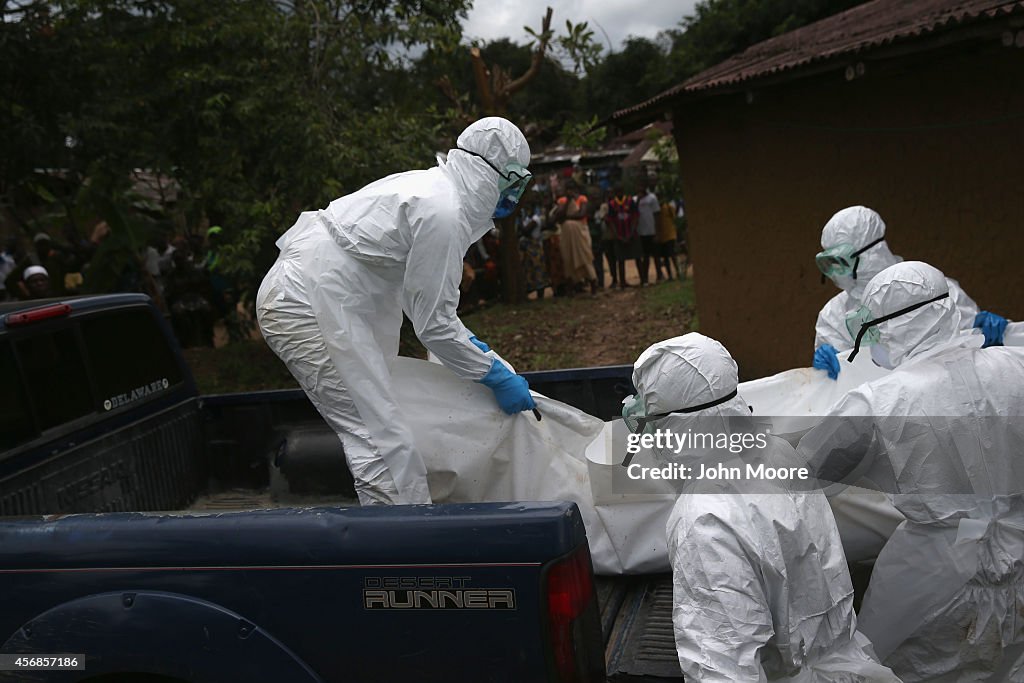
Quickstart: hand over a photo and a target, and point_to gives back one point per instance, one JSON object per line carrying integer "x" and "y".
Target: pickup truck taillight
{"x": 36, "y": 314}
{"x": 575, "y": 628}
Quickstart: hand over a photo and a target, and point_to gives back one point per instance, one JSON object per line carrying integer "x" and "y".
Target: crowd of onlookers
{"x": 571, "y": 240}
{"x": 48, "y": 267}
{"x": 182, "y": 275}
{"x": 568, "y": 236}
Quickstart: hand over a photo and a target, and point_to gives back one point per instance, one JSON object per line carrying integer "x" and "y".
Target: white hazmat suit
{"x": 331, "y": 306}
{"x": 761, "y": 588}
{"x": 943, "y": 436}
{"x": 859, "y": 226}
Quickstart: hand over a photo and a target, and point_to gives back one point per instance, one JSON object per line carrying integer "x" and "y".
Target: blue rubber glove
{"x": 479, "y": 344}
{"x": 992, "y": 326}
{"x": 511, "y": 390}
{"x": 825, "y": 358}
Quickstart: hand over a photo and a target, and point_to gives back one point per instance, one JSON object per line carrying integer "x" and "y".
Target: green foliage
{"x": 583, "y": 134}
{"x": 114, "y": 266}
{"x": 716, "y": 30}
{"x": 538, "y": 36}
{"x": 257, "y": 108}
{"x": 639, "y": 71}
{"x": 579, "y": 47}
{"x": 576, "y": 46}
{"x": 666, "y": 299}
{"x": 247, "y": 365}
{"x": 719, "y": 29}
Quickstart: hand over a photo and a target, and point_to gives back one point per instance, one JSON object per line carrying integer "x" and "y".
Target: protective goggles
{"x": 514, "y": 179}
{"x": 634, "y": 412}
{"x": 868, "y": 328}
{"x": 842, "y": 259}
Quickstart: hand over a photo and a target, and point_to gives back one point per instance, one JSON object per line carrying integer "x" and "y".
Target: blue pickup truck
{"x": 151, "y": 534}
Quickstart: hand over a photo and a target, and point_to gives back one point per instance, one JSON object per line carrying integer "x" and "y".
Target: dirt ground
{"x": 611, "y": 328}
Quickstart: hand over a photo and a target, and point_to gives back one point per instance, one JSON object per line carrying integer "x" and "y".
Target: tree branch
{"x": 448, "y": 90}
{"x": 535, "y": 63}
{"x": 483, "y": 84}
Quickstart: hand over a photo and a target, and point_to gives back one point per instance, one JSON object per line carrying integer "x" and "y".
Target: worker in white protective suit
{"x": 331, "y": 306}
{"x": 942, "y": 435}
{"x": 854, "y": 251}
{"x": 761, "y": 589}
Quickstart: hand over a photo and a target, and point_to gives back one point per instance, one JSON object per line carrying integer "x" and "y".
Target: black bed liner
{"x": 636, "y": 616}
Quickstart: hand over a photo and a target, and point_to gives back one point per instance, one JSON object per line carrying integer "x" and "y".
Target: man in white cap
{"x": 37, "y": 282}
{"x": 761, "y": 589}
{"x": 942, "y": 437}
{"x": 52, "y": 258}
{"x": 331, "y": 307}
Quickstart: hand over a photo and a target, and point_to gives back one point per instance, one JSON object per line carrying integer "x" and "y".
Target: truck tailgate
{"x": 453, "y": 593}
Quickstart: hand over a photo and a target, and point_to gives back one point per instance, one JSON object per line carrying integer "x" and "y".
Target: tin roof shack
{"x": 914, "y": 108}
{"x": 626, "y": 158}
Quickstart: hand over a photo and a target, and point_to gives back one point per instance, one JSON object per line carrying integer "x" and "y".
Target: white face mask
{"x": 880, "y": 354}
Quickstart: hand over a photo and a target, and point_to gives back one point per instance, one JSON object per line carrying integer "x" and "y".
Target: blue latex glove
{"x": 511, "y": 390}
{"x": 479, "y": 344}
{"x": 825, "y": 358}
{"x": 992, "y": 326}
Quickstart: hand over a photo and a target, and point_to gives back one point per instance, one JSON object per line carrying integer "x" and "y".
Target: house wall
{"x": 934, "y": 143}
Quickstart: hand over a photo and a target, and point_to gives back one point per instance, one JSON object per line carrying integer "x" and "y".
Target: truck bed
{"x": 636, "y": 617}
{"x": 235, "y": 500}
{"x": 636, "y": 611}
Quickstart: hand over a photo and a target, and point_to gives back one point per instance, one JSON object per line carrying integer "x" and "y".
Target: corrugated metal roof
{"x": 624, "y": 145}
{"x": 858, "y": 30}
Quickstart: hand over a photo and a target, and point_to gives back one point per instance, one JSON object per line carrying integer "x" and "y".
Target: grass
{"x": 610, "y": 329}
{"x": 240, "y": 366}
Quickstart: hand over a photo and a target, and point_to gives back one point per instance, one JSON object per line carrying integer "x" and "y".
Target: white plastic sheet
{"x": 1014, "y": 335}
{"x": 475, "y": 453}
{"x": 797, "y": 399}
{"x": 634, "y": 524}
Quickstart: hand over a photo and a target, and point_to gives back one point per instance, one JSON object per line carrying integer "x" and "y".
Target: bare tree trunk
{"x": 483, "y": 82}
{"x": 494, "y": 88}
{"x": 513, "y": 287}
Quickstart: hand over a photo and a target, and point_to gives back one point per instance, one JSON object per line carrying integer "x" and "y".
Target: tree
{"x": 494, "y": 88}
{"x": 257, "y": 108}
{"x": 719, "y": 29}
{"x": 639, "y": 71}
{"x": 494, "y": 85}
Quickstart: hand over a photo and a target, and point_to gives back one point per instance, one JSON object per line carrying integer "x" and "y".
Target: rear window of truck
{"x": 129, "y": 356}
{"x": 55, "y": 377}
{"x": 15, "y": 418}
{"x": 84, "y": 366}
